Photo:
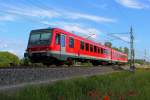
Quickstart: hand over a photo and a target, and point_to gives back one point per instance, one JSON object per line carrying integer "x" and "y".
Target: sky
{"x": 103, "y": 18}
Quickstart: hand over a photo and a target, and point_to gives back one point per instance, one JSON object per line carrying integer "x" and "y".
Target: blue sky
{"x": 83, "y": 17}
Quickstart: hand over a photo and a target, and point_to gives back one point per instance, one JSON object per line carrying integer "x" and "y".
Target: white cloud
{"x": 31, "y": 11}
{"x": 51, "y": 13}
{"x": 82, "y": 30}
{"x": 7, "y": 18}
{"x": 90, "y": 17}
{"x": 133, "y": 4}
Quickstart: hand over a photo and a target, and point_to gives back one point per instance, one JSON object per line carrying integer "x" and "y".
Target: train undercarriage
{"x": 48, "y": 58}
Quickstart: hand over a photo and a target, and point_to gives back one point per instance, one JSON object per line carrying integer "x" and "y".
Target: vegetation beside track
{"x": 8, "y": 59}
{"x": 116, "y": 86}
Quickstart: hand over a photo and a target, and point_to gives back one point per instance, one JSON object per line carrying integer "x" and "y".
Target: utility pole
{"x": 132, "y": 55}
{"x": 145, "y": 57}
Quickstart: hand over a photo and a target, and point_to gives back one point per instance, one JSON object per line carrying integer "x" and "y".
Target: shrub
{"x": 25, "y": 62}
{"x": 8, "y": 59}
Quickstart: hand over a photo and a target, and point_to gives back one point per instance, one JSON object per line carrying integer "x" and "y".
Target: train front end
{"x": 39, "y": 45}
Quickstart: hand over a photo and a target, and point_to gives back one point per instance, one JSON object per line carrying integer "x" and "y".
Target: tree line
{"x": 121, "y": 49}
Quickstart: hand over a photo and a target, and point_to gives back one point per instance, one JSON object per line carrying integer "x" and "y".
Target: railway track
{"x": 21, "y": 76}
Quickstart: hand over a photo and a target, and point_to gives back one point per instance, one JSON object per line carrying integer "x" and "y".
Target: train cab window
{"x": 95, "y": 49}
{"x": 87, "y": 46}
{"x": 81, "y": 45}
{"x": 71, "y": 42}
{"x": 98, "y": 50}
{"x": 57, "y": 39}
{"x": 91, "y": 48}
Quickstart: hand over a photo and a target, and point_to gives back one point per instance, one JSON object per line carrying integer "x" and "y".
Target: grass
{"x": 115, "y": 86}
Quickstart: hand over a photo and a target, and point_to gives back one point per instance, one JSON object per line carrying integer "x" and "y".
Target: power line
{"x": 116, "y": 37}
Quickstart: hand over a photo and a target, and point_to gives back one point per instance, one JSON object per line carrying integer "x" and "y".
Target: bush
{"x": 25, "y": 62}
{"x": 8, "y": 59}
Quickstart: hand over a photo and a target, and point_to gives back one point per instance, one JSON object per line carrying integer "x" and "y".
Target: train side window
{"x": 98, "y": 50}
{"x": 102, "y": 50}
{"x": 91, "y": 48}
{"x": 117, "y": 55}
{"x": 106, "y": 51}
{"x": 95, "y": 49}
{"x": 57, "y": 39}
{"x": 81, "y": 45}
{"x": 87, "y": 46}
{"x": 71, "y": 42}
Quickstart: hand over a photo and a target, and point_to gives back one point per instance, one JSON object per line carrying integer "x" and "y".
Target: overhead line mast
{"x": 132, "y": 52}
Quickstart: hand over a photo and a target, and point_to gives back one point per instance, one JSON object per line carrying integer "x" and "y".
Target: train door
{"x": 62, "y": 45}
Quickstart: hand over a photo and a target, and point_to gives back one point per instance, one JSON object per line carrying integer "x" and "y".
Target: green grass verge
{"x": 116, "y": 86}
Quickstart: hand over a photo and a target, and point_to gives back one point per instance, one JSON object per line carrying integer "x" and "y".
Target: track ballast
{"x": 19, "y": 77}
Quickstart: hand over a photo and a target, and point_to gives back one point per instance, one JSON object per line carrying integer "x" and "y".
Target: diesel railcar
{"x": 56, "y": 46}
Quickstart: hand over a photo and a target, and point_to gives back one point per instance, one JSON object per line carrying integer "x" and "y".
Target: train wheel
{"x": 95, "y": 63}
{"x": 47, "y": 64}
{"x": 70, "y": 62}
{"x": 104, "y": 63}
{"x": 59, "y": 63}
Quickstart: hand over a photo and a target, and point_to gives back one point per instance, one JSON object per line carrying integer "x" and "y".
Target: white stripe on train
{"x": 81, "y": 55}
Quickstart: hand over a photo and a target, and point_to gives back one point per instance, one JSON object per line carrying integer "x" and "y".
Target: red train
{"x": 56, "y": 46}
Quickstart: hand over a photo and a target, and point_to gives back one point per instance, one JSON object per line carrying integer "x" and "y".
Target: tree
{"x": 126, "y": 50}
{"x": 121, "y": 49}
{"x": 25, "y": 62}
{"x": 108, "y": 44}
{"x": 8, "y": 59}
{"x": 140, "y": 61}
{"x": 115, "y": 48}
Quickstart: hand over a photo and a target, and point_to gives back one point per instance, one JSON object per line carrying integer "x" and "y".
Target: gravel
{"x": 13, "y": 77}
